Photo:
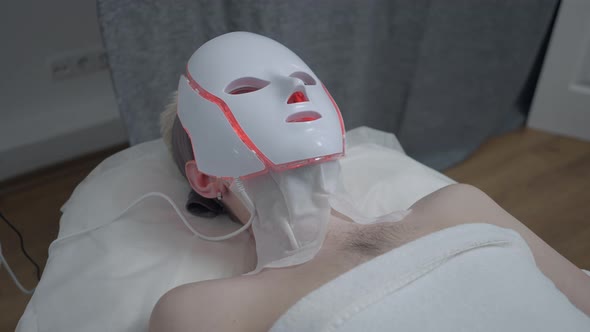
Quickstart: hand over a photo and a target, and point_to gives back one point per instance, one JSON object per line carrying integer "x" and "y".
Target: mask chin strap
{"x": 289, "y": 231}
{"x": 245, "y": 199}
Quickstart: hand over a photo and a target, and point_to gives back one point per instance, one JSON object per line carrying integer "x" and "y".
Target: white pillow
{"x": 110, "y": 279}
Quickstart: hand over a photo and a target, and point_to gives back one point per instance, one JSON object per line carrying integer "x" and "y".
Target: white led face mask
{"x": 250, "y": 106}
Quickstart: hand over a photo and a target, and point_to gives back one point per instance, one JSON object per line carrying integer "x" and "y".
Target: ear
{"x": 205, "y": 185}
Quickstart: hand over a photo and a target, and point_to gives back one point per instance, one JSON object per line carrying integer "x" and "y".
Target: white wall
{"x": 43, "y": 121}
{"x": 562, "y": 100}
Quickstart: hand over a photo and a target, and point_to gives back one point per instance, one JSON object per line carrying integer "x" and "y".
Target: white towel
{"x": 474, "y": 277}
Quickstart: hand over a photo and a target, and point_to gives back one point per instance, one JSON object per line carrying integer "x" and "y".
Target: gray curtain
{"x": 442, "y": 75}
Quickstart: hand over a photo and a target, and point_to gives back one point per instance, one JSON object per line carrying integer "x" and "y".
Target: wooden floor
{"x": 32, "y": 203}
{"x": 542, "y": 179}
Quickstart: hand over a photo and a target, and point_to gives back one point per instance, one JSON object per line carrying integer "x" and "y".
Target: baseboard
{"x": 30, "y": 157}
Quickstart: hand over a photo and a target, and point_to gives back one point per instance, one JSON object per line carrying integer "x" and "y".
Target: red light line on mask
{"x": 339, "y": 118}
{"x": 248, "y": 142}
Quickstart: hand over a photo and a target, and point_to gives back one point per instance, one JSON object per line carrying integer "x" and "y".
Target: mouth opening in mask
{"x": 305, "y": 116}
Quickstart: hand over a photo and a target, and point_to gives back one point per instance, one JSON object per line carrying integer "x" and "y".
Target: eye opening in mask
{"x": 245, "y": 85}
{"x": 305, "y": 77}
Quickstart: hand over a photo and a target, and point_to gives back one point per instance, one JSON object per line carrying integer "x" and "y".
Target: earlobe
{"x": 203, "y": 184}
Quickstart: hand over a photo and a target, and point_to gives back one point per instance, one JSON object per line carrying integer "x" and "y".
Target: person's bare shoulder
{"x": 449, "y": 206}
{"x": 215, "y": 305}
{"x": 461, "y": 204}
{"x": 235, "y": 304}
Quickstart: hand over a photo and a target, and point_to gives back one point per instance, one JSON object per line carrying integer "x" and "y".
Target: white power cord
{"x": 180, "y": 214}
{"x": 245, "y": 199}
{"x": 12, "y": 275}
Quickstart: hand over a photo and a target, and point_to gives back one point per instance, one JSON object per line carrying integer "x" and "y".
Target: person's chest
{"x": 265, "y": 297}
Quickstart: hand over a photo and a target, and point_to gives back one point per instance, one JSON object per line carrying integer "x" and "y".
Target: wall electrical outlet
{"x": 78, "y": 64}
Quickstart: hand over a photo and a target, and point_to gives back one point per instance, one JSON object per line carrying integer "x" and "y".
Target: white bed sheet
{"x": 110, "y": 279}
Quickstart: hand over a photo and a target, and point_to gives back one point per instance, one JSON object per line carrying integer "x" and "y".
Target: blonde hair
{"x": 167, "y": 121}
{"x": 176, "y": 139}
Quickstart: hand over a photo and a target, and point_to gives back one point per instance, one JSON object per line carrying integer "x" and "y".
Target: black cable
{"x": 22, "y": 245}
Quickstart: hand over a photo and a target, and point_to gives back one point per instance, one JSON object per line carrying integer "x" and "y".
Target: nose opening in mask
{"x": 305, "y": 116}
{"x": 297, "y": 97}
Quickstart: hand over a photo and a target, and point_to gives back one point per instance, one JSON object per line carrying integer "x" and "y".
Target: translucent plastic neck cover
{"x": 292, "y": 212}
